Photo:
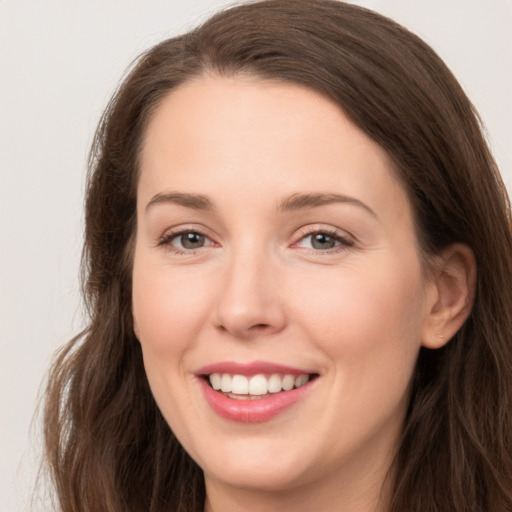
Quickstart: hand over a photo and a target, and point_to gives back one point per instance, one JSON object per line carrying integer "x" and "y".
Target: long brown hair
{"x": 107, "y": 445}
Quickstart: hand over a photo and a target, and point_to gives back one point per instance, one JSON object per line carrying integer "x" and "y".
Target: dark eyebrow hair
{"x": 195, "y": 201}
{"x": 312, "y": 200}
{"x": 292, "y": 203}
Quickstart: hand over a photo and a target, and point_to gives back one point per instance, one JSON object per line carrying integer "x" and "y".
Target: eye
{"x": 185, "y": 241}
{"x": 324, "y": 241}
{"x": 190, "y": 240}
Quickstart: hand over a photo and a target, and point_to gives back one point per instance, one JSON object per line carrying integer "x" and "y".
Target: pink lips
{"x": 251, "y": 411}
{"x": 250, "y": 368}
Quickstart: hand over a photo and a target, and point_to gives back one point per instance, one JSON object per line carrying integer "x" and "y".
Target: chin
{"x": 262, "y": 479}
{"x": 253, "y": 469}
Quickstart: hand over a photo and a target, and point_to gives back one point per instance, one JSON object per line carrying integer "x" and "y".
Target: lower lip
{"x": 253, "y": 411}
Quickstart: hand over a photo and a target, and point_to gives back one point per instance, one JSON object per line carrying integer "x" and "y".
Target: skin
{"x": 258, "y": 289}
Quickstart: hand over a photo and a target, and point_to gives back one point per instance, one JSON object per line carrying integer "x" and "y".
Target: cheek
{"x": 369, "y": 323}
{"x": 168, "y": 309}
{"x": 369, "y": 328}
{"x": 168, "y": 312}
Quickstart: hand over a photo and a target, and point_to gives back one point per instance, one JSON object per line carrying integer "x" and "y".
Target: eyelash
{"x": 167, "y": 238}
{"x": 344, "y": 243}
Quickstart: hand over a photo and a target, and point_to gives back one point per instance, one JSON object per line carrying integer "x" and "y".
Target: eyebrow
{"x": 312, "y": 200}
{"x": 195, "y": 201}
{"x": 293, "y": 203}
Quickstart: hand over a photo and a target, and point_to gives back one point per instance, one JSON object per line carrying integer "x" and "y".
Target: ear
{"x": 453, "y": 285}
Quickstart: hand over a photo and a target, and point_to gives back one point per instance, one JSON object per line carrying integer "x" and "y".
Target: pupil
{"x": 323, "y": 241}
{"x": 192, "y": 240}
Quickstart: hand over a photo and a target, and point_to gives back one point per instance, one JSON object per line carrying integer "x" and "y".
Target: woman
{"x": 299, "y": 277}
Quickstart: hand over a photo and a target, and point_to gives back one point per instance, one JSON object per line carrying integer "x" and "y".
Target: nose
{"x": 250, "y": 302}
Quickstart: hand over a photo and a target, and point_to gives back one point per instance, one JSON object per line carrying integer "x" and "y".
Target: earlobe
{"x": 454, "y": 283}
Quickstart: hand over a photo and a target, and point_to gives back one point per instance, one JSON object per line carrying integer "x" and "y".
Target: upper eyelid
{"x": 186, "y": 228}
{"x": 299, "y": 234}
{"x": 318, "y": 228}
{"x": 171, "y": 233}
{"x": 341, "y": 241}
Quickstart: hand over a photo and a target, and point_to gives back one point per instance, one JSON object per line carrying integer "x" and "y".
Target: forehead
{"x": 243, "y": 134}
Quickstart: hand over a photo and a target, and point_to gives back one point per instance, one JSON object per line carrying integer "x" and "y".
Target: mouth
{"x": 256, "y": 387}
{"x": 254, "y": 392}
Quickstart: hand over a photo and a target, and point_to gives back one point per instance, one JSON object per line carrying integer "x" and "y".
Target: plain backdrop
{"x": 59, "y": 63}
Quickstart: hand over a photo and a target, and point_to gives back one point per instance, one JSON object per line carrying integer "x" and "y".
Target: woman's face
{"x": 275, "y": 249}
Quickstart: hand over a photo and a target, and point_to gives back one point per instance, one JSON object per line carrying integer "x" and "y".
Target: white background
{"x": 59, "y": 63}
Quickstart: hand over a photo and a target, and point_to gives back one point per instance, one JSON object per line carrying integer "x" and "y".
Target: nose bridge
{"x": 248, "y": 301}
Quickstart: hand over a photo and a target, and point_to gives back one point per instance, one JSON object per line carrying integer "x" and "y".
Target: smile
{"x": 255, "y": 387}
{"x": 253, "y": 393}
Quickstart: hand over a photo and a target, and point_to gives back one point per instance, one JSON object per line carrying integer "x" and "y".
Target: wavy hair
{"x": 108, "y": 448}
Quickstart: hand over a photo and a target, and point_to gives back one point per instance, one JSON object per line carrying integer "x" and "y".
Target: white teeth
{"x": 225, "y": 383}
{"x": 301, "y": 380}
{"x": 215, "y": 381}
{"x": 240, "y": 385}
{"x": 257, "y": 385}
{"x": 288, "y": 382}
{"x": 275, "y": 384}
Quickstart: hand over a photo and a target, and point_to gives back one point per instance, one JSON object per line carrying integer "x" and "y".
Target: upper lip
{"x": 252, "y": 368}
